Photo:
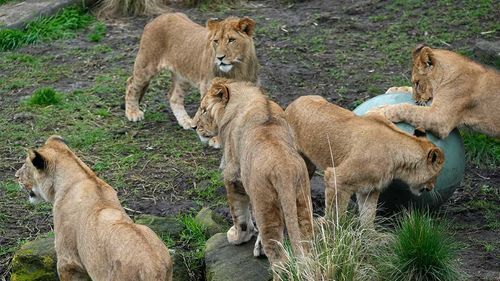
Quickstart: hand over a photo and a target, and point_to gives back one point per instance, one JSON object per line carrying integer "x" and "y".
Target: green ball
{"x": 398, "y": 194}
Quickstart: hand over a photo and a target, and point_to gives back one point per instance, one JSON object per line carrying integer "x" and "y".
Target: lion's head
{"x": 232, "y": 42}
{"x": 211, "y": 109}
{"x": 37, "y": 173}
{"x": 425, "y": 173}
{"x": 423, "y": 74}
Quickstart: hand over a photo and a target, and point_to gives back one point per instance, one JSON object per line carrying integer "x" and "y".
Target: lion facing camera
{"x": 93, "y": 234}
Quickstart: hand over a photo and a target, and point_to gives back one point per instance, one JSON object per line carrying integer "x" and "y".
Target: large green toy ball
{"x": 398, "y": 194}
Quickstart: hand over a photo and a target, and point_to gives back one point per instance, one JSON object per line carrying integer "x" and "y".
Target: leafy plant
{"x": 44, "y": 97}
{"x": 422, "y": 250}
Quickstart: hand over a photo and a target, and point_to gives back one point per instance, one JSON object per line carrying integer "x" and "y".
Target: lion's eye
{"x": 216, "y": 41}
{"x": 231, "y": 40}
{"x": 416, "y": 85}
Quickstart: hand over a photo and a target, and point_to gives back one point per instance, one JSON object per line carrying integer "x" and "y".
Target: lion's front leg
{"x": 401, "y": 89}
{"x": 70, "y": 271}
{"x": 428, "y": 118}
{"x": 176, "y": 99}
{"x": 367, "y": 206}
{"x": 243, "y": 228}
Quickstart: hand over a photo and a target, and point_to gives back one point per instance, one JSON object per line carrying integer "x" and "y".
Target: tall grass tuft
{"x": 120, "y": 8}
{"x": 340, "y": 252}
{"x": 62, "y": 25}
{"x": 44, "y": 97}
{"x": 480, "y": 149}
{"x": 422, "y": 250}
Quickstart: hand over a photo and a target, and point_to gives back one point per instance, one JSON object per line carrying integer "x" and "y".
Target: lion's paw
{"x": 185, "y": 122}
{"x": 214, "y": 142}
{"x": 258, "y": 250}
{"x": 236, "y": 237}
{"x": 402, "y": 89}
{"x": 134, "y": 115}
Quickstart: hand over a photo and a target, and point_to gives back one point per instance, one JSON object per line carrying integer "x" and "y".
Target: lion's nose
{"x": 221, "y": 57}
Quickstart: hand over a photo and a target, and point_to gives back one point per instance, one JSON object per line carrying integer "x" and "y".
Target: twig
{"x": 133, "y": 211}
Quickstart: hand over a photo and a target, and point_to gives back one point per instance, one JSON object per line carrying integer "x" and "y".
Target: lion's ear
{"x": 435, "y": 156}
{"x": 247, "y": 25}
{"x": 425, "y": 55}
{"x": 212, "y": 23}
{"x": 37, "y": 159}
{"x": 221, "y": 92}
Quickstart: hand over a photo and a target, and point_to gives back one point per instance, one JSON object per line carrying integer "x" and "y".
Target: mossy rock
{"x": 236, "y": 263}
{"x": 35, "y": 261}
{"x": 161, "y": 225}
{"x": 210, "y": 221}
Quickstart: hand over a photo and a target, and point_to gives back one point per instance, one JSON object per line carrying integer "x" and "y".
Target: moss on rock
{"x": 35, "y": 261}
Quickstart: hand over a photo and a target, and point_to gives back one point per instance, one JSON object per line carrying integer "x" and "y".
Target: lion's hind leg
{"x": 137, "y": 84}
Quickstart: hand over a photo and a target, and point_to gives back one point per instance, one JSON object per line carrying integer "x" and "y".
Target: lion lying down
{"x": 194, "y": 54}
{"x": 93, "y": 234}
{"x": 368, "y": 152}
{"x": 453, "y": 91}
{"x": 262, "y": 167}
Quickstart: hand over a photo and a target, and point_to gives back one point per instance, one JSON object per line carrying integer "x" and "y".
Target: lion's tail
{"x": 295, "y": 199}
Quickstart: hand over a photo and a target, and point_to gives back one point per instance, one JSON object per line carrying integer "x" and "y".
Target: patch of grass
{"x": 44, "y": 97}
{"x": 214, "y": 5}
{"x": 193, "y": 237}
{"x": 63, "y": 25}
{"x": 480, "y": 149}
{"x": 422, "y": 250}
{"x": 98, "y": 32}
{"x": 7, "y": 1}
{"x": 10, "y": 187}
{"x": 340, "y": 251}
{"x": 490, "y": 210}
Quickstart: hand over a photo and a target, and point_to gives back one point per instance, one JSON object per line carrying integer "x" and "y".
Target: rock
{"x": 16, "y": 15}
{"x": 209, "y": 220}
{"x": 236, "y": 263}
{"x": 161, "y": 225}
{"x": 23, "y": 117}
{"x": 35, "y": 261}
{"x": 488, "y": 52}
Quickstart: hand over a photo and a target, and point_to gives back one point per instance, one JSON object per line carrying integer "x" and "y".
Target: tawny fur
{"x": 461, "y": 93}
{"x": 93, "y": 234}
{"x": 194, "y": 54}
{"x": 368, "y": 152}
{"x": 262, "y": 167}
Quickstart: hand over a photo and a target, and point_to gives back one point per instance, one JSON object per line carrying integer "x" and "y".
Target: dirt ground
{"x": 346, "y": 51}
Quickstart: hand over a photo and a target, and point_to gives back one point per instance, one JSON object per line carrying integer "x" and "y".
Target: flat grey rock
{"x": 16, "y": 15}
{"x": 488, "y": 52}
{"x": 236, "y": 263}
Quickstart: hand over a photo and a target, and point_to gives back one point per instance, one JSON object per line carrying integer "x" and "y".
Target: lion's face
{"x": 428, "y": 171}
{"x": 231, "y": 40}
{"x": 423, "y": 75}
{"x": 211, "y": 108}
{"x": 34, "y": 176}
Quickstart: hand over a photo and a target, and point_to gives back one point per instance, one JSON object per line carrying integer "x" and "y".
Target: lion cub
{"x": 458, "y": 90}
{"x": 93, "y": 234}
{"x": 368, "y": 152}
{"x": 194, "y": 54}
{"x": 262, "y": 167}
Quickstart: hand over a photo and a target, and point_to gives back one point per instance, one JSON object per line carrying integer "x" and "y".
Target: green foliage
{"x": 422, "y": 250}
{"x": 44, "y": 96}
{"x": 480, "y": 149}
{"x": 98, "y": 32}
{"x": 7, "y": 1}
{"x": 62, "y": 25}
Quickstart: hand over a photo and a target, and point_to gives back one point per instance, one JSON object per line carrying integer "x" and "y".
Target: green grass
{"x": 44, "y": 97}
{"x": 8, "y": 1}
{"x": 340, "y": 251}
{"x": 480, "y": 149}
{"x": 98, "y": 32}
{"x": 422, "y": 250}
{"x": 63, "y": 25}
{"x": 193, "y": 238}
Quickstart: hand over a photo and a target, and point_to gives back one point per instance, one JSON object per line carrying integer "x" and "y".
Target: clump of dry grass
{"x": 120, "y": 8}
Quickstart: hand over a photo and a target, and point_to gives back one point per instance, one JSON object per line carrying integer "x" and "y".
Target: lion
{"x": 194, "y": 55}
{"x": 262, "y": 167}
{"x": 367, "y": 153}
{"x": 452, "y": 91}
{"x": 93, "y": 234}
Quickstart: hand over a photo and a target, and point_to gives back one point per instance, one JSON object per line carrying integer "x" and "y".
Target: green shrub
{"x": 62, "y": 25}
{"x": 480, "y": 149}
{"x": 422, "y": 250}
{"x": 44, "y": 97}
